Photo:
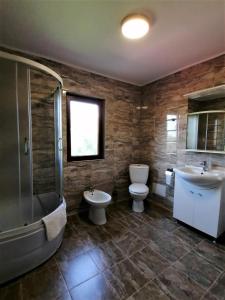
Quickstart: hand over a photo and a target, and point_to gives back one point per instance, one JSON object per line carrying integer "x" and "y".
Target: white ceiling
{"x": 87, "y": 34}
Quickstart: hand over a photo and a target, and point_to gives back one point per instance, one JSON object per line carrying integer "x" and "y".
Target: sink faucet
{"x": 204, "y": 165}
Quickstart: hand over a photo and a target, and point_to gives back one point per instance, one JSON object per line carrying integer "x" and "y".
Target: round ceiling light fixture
{"x": 135, "y": 26}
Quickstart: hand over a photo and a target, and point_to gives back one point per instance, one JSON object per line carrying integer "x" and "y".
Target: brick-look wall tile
{"x": 132, "y": 136}
{"x": 165, "y": 96}
{"x": 121, "y": 133}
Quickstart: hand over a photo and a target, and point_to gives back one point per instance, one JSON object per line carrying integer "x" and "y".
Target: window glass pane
{"x": 84, "y": 122}
{"x": 171, "y": 136}
{"x": 172, "y": 124}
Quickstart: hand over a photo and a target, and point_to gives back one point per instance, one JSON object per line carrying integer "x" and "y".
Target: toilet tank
{"x": 138, "y": 173}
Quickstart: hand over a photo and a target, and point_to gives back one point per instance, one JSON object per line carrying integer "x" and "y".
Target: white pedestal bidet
{"x": 98, "y": 201}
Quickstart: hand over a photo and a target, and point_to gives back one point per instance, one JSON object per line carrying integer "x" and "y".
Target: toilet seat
{"x": 138, "y": 188}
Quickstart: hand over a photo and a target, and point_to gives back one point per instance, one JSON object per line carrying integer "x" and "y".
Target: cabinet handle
{"x": 191, "y": 192}
{"x": 200, "y": 194}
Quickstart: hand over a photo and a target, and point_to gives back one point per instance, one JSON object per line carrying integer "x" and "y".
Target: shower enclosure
{"x": 31, "y": 162}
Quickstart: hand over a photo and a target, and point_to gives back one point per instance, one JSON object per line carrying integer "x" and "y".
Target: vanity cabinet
{"x": 200, "y": 207}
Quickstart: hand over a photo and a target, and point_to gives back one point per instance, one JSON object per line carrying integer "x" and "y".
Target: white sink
{"x": 195, "y": 175}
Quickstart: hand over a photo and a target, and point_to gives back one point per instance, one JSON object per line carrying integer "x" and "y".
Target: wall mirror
{"x": 206, "y": 120}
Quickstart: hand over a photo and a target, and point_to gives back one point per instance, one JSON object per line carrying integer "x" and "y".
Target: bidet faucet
{"x": 91, "y": 189}
{"x": 204, "y": 165}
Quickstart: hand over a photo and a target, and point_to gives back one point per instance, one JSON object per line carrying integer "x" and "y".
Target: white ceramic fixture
{"x": 199, "y": 199}
{"x": 197, "y": 176}
{"x": 98, "y": 201}
{"x": 135, "y": 26}
{"x": 138, "y": 188}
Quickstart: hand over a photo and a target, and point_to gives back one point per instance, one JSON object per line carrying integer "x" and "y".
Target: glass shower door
{"x": 46, "y": 139}
{"x": 59, "y": 142}
{"x": 15, "y": 157}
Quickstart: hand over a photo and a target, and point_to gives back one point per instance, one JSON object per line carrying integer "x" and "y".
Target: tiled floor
{"x": 134, "y": 256}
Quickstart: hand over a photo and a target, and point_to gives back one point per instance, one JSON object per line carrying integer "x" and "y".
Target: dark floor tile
{"x": 189, "y": 236}
{"x": 218, "y": 289}
{"x": 144, "y": 217}
{"x": 161, "y": 202}
{"x": 148, "y": 232}
{"x": 126, "y": 205}
{"x": 165, "y": 223}
{"x": 78, "y": 269}
{"x": 151, "y": 291}
{"x": 69, "y": 230}
{"x": 154, "y": 210}
{"x": 96, "y": 288}
{"x": 44, "y": 284}
{"x": 106, "y": 255}
{"x": 81, "y": 222}
{"x": 88, "y": 239}
{"x": 149, "y": 262}
{"x": 198, "y": 269}
{"x": 88, "y": 248}
{"x": 70, "y": 248}
{"x": 209, "y": 296}
{"x": 168, "y": 246}
{"x": 114, "y": 212}
{"x": 12, "y": 291}
{"x": 179, "y": 285}
{"x": 130, "y": 222}
{"x": 129, "y": 243}
{"x": 212, "y": 252}
{"x": 115, "y": 228}
{"x": 99, "y": 235}
{"x": 125, "y": 278}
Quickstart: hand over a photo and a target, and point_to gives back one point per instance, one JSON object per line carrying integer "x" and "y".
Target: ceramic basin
{"x": 195, "y": 175}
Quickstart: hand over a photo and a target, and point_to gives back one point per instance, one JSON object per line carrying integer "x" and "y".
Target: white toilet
{"x": 98, "y": 201}
{"x": 138, "y": 189}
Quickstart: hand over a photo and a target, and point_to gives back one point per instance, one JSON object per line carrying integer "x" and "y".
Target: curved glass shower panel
{"x": 58, "y": 142}
{"x": 15, "y": 155}
{"x": 30, "y": 162}
{"x": 31, "y": 183}
{"x": 44, "y": 145}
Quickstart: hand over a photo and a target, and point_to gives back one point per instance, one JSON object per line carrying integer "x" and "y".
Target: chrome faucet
{"x": 91, "y": 189}
{"x": 204, "y": 165}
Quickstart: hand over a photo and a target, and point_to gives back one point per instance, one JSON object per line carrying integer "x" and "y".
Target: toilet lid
{"x": 138, "y": 188}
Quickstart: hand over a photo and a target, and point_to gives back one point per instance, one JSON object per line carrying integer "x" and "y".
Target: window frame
{"x": 101, "y": 126}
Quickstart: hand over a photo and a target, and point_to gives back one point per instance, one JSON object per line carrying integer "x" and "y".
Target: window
{"x": 85, "y": 128}
{"x": 171, "y": 133}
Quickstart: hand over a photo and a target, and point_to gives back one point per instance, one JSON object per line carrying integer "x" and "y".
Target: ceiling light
{"x": 135, "y": 26}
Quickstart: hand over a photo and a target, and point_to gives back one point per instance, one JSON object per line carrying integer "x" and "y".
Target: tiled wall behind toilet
{"x": 164, "y": 97}
{"x": 131, "y": 135}
{"x": 121, "y": 134}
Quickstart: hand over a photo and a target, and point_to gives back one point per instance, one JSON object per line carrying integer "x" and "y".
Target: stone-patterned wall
{"x": 121, "y": 132}
{"x": 133, "y": 136}
{"x": 165, "y": 96}
{"x": 43, "y": 135}
{"x": 121, "y": 136}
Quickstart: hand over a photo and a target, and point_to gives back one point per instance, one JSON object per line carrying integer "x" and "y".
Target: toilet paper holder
{"x": 169, "y": 176}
